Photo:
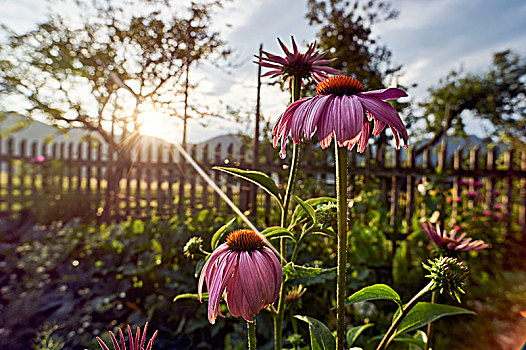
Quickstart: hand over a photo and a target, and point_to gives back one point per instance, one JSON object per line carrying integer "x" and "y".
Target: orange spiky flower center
{"x": 244, "y": 240}
{"x": 339, "y": 85}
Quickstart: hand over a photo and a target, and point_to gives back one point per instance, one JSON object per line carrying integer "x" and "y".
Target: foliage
{"x": 496, "y": 95}
{"x": 90, "y": 279}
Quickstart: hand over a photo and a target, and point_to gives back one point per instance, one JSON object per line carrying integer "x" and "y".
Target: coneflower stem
{"x": 278, "y": 320}
{"x": 391, "y": 332}
{"x": 341, "y": 202}
{"x": 430, "y": 325}
{"x": 251, "y": 335}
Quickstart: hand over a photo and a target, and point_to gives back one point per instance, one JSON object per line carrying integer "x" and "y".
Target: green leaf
{"x": 261, "y": 179}
{"x": 299, "y": 212}
{"x": 307, "y": 208}
{"x": 219, "y": 233}
{"x": 375, "y": 292}
{"x": 424, "y": 313}
{"x": 191, "y": 296}
{"x": 354, "y": 333}
{"x": 291, "y": 271}
{"x": 403, "y": 338}
{"x": 276, "y": 232}
{"x": 321, "y": 337}
{"x": 199, "y": 266}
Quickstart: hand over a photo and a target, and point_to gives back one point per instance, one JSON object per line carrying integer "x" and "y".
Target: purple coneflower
{"x": 341, "y": 109}
{"x": 296, "y": 64}
{"x": 451, "y": 241}
{"x": 245, "y": 271}
{"x": 38, "y": 159}
{"x": 134, "y": 345}
{"x": 472, "y": 194}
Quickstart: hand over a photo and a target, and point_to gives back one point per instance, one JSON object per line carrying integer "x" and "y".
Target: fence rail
{"x": 62, "y": 180}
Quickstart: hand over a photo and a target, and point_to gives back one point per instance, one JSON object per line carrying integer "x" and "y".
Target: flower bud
{"x": 193, "y": 247}
{"x": 448, "y": 274}
{"x": 327, "y": 214}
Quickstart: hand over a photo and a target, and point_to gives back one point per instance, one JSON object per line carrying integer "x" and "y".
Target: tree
{"x": 102, "y": 66}
{"x": 497, "y": 95}
{"x": 100, "y": 69}
{"x": 346, "y": 30}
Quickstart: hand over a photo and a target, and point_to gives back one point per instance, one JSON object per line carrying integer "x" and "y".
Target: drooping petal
{"x": 277, "y": 270}
{"x": 431, "y": 233}
{"x": 385, "y": 94}
{"x": 250, "y": 282}
{"x": 266, "y": 275}
{"x": 385, "y": 112}
{"x": 378, "y": 126}
{"x": 207, "y": 267}
{"x": 364, "y": 137}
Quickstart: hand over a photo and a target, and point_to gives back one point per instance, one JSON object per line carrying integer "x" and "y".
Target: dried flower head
{"x": 448, "y": 274}
{"x": 327, "y": 214}
{"x": 193, "y": 247}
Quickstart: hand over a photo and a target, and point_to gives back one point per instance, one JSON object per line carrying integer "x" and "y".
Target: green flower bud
{"x": 448, "y": 274}
{"x": 327, "y": 214}
{"x": 193, "y": 247}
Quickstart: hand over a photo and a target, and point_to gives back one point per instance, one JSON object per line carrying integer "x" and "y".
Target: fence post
{"x": 457, "y": 165}
{"x": 410, "y": 190}
{"x": 205, "y": 163}
{"x": 192, "y": 178}
{"x": 522, "y": 209}
{"x": 217, "y": 177}
{"x": 508, "y": 186}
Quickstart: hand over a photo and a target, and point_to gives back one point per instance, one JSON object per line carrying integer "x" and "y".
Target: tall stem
{"x": 341, "y": 197}
{"x": 388, "y": 337}
{"x": 251, "y": 335}
{"x": 278, "y": 320}
{"x": 430, "y": 325}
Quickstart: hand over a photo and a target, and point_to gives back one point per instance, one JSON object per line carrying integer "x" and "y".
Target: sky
{"x": 429, "y": 38}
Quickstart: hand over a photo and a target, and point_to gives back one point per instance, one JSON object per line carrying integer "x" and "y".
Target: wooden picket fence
{"x": 63, "y": 180}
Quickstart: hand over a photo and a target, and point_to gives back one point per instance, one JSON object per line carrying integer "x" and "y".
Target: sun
{"x": 153, "y": 123}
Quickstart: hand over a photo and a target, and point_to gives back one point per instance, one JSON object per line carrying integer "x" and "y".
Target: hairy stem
{"x": 341, "y": 195}
{"x": 429, "y": 332}
{"x": 251, "y": 335}
{"x": 278, "y": 320}
{"x": 391, "y": 332}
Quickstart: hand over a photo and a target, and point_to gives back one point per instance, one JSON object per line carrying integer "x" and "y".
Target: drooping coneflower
{"x": 245, "y": 271}
{"x": 296, "y": 64}
{"x": 451, "y": 241}
{"x": 135, "y": 344}
{"x": 342, "y": 109}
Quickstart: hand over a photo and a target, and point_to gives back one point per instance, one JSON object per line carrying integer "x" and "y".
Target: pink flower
{"x": 449, "y": 200}
{"x": 463, "y": 183}
{"x": 458, "y": 199}
{"x": 497, "y": 217}
{"x": 134, "y": 345}
{"x": 472, "y": 194}
{"x": 451, "y": 241}
{"x": 245, "y": 271}
{"x": 478, "y": 184}
{"x": 486, "y": 212}
{"x": 296, "y": 64}
{"x": 38, "y": 159}
{"x": 496, "y": 192}
{"x": 457, "y": 228}
{"x": 498, "y": 207}
{"x": 341, "y": 109}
